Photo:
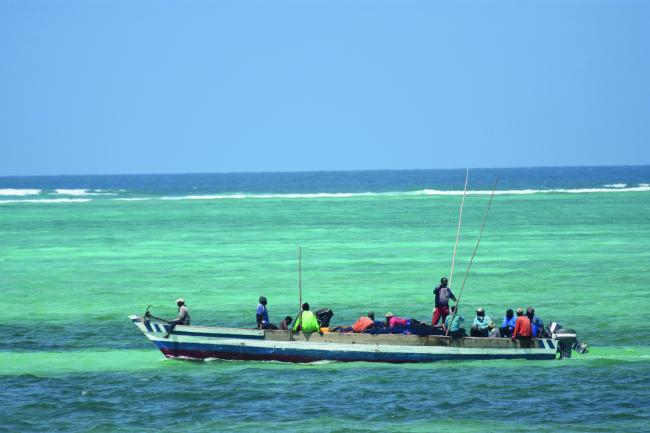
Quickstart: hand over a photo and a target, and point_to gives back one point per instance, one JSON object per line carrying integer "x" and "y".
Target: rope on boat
{"x": 471, "y": 260}
{"x": 148, "y": 315}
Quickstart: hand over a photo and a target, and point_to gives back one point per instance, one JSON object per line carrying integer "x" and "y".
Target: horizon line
{"x": 188, "y": 173}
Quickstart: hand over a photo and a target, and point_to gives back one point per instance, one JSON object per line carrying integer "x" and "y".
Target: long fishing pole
{"x": 299, "y": 278}
{"x": 299, "y": 317}
{"x": 471, "y": 260}
{"x": 460, "y": 219}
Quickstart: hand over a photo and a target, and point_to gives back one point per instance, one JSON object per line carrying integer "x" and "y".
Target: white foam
{"x": 81, "y": 192}
{"x": 19, "y": 191}
{"x": 423, "y": 192}
{"x": 46, "y": 200}
{"x": 644, "y": 185}
{"x": 132, "y": 198}
{"x": 615, "y": 185}
{"x": 63, "y": 191}
{"x": 533, "y": 191}
{"x": 280, "y": 196}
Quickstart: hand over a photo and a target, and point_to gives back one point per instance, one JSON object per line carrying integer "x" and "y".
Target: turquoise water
{"x": 72, "y": 271}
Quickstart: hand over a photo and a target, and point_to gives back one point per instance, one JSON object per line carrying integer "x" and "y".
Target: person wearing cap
{"x": 396, "y": 322}
{"x": 306, "y": 321}
{"x": 480, "y": 324}
{"x": 364, "y": 322}
{"x": 442, "y": 294}
{"x": 523, "y": 330}
{"x": 183, "y": 317}
{"x": 536, "y": 322}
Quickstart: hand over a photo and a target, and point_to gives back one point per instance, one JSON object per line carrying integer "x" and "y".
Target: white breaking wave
{"x": 281, "y": 196}
{"x": 133, "y": 199}
{"x": 533, "y": 191}
{"x": 614, "y": 188}
{"x": 424, "y": 192}
{"x": 615, "y": 185}
{"x": 81, "y": 192}
{"x": 19, "y": 191}
{"x": 48, "y": 200}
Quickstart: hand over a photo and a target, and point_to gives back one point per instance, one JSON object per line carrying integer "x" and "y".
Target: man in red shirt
{"x": 523, "y": 331}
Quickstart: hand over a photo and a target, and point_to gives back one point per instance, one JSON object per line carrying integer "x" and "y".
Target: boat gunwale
{"x": 348, "y": 338}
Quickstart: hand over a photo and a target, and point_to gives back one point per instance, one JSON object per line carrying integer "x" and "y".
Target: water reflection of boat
{"x": 200, "y": 343}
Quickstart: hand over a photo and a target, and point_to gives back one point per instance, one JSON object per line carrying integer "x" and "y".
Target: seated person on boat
{"x": 306, "y": 321}
{"x": 480, "y": 325}
{"x": 508, "y": 324}
{"x": 523, "y": 329}
{"x": 453, "y": 325}
{"x": 285, "y": 323}
{"x": 262, "y": 315}
{"x": 493, "y": 332}
{"x": 536, "y": 322}
{"x": 183, "y": 317}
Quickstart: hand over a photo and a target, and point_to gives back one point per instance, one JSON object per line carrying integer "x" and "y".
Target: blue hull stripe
{"x": 215, "y": 335}
{"x": 201, "y": 351}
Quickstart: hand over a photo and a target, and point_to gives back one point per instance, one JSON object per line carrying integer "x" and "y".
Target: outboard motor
{"x": 324, "y": 315}
{"x": 566, "y": 340}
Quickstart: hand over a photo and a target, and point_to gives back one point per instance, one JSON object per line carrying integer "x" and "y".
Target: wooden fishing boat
{"x": 204, "y": 343}
{"x": 200, "y": 343}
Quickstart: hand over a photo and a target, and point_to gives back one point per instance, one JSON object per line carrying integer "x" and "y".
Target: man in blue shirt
{"x": 262, "y": 315}
{"x": 508, "y": 324}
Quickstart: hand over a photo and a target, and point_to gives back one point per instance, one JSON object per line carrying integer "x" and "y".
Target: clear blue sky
{"x": 211, "y": 86}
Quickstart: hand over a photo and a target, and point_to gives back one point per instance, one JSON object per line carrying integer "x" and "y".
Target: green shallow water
{"x": 71, "y": 273}
{"x": 50, "y": 364}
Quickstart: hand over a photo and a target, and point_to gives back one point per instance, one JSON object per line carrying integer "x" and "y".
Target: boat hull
{"x": 201, "y": 343}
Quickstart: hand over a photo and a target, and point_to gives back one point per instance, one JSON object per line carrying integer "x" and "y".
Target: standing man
{"x": 183, "y": 317}
{"x": 442, "y": 294}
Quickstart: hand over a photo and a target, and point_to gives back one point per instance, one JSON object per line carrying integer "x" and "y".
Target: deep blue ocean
{"x": 343, "y": 181}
